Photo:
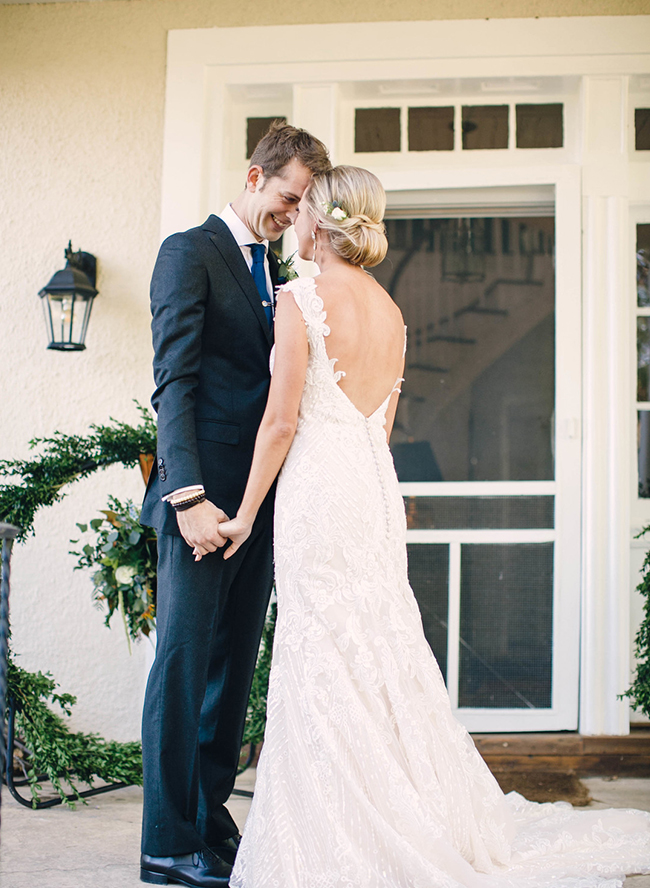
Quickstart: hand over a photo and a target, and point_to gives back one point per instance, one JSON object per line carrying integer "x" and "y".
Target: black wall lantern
{"x": 68, "y": 299}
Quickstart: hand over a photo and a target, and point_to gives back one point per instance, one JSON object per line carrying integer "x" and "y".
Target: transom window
{"x": 432, "y": 127}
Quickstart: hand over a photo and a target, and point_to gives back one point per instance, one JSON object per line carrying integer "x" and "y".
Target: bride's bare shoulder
{"x": 355, "y": 282}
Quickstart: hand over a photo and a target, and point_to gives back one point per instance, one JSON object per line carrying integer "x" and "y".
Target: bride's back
{"x": 366, "y": 335}
{"x": 341, "y": 215}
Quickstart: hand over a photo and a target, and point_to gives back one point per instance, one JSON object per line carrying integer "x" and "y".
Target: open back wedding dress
{"x": 366, "y": 779}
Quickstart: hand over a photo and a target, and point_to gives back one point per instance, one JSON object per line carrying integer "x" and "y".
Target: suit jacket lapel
{"x": 274, "y": 264}
{"x": 229, "y": 249}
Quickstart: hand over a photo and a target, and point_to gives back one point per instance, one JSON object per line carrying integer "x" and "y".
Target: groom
{"x": 211, "y": 298}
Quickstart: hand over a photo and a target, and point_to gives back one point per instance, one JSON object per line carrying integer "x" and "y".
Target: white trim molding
{"x": 316, "y": 75}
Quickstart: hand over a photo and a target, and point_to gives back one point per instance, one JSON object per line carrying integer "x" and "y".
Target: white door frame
{"x": 600, "y": 52}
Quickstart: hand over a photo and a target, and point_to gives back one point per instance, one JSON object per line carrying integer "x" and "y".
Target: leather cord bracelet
{"x": 188, "y": 503}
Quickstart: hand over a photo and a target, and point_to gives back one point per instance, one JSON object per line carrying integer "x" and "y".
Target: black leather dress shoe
{"x": 227, "y": 849}
{"x": 202, "y": 869}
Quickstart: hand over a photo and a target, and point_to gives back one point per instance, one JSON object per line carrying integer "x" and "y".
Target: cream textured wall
{"x": 81, "y": 118}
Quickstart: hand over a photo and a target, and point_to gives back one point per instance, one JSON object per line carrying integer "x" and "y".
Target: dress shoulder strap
{"x": 308, "y": 301}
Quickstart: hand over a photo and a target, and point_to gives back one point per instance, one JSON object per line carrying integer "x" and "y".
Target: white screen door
{"x": 480, "y": 459}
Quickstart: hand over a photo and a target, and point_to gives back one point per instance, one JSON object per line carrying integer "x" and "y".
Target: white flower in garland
{"x": 124, "y": 575}
{"x": 339, "y": 214}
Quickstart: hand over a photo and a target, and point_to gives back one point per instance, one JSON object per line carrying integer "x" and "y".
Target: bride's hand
{"x": 238, "y": 531}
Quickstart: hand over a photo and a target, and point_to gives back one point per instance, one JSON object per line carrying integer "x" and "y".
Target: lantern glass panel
{"x": 69, "y": 312}
{"x": 47, "y": 313}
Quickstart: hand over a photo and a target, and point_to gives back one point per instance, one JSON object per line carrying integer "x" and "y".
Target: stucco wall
{"x": 81, "y": 118}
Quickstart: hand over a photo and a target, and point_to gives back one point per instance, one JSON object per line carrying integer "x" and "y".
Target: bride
{"x": 366, "y": 780}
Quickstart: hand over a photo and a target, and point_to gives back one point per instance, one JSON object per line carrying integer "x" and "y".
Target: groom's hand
{"x": 200, "y": 528}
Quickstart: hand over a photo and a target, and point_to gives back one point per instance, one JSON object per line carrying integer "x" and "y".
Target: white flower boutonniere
{"x": 286, "y": 269}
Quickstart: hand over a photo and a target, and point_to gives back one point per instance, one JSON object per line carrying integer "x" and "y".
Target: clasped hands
{"x": 206, "y": 528}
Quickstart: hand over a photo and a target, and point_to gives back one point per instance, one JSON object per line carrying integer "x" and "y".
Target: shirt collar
{"x": 239, "y": 230}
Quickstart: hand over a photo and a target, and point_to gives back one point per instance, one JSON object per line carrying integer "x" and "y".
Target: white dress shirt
{"x": 245, "y": 238}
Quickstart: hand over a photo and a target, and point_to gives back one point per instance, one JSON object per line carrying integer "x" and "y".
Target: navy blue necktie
{"x": 258, "y": 271}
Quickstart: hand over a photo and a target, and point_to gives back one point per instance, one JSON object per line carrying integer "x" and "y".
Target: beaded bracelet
{"x": 188, "y": 503}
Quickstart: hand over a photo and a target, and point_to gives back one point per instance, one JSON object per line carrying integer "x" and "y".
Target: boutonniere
{"x": 286, "y": 269}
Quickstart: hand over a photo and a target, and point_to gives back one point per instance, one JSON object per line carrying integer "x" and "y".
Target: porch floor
{"x": 98, "y": 844}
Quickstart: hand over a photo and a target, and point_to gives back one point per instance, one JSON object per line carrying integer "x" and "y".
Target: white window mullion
{"x": 453, "y": 623}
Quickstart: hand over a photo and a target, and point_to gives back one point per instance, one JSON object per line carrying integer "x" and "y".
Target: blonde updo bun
{"x": 361, "y": 237}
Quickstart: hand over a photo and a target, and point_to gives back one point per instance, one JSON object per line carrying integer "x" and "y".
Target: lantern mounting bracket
{"x": 85, "y": 262}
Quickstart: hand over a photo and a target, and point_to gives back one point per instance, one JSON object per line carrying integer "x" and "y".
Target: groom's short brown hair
{"x": 284, "y": 143}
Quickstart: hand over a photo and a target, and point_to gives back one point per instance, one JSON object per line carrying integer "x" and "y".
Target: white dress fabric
{"x": 366, "y": 780}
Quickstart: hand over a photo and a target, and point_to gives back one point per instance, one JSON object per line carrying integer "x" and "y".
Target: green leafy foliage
{"x": 123, "y": 557}
{"x": 64, "y": 459}
{"x": 639, "y": 692}
{"x": 57, "y": 753}
{"x": 256, "y": 713}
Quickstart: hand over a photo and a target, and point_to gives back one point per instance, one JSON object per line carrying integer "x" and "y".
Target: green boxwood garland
{"x": 639, "y": 692}
{"x": 55, "y": 751}
{"x": 67, "y": 458}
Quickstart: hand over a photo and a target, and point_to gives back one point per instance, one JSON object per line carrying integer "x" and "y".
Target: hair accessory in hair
{"x": 334, "y": 209}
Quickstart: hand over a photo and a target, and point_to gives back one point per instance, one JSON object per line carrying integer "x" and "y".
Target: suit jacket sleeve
{"x": 179, "y": 290}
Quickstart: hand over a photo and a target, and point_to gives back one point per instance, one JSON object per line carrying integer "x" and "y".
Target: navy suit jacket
{"x": 211, "y": 368}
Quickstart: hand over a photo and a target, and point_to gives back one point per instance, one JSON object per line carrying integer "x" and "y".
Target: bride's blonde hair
{"x": 357, "y": 194}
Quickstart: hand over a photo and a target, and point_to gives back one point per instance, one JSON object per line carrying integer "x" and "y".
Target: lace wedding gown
{"x": 366, "y": 780}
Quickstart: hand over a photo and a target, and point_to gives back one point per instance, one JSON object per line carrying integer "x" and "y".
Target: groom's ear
{"x": 254, "y": 178}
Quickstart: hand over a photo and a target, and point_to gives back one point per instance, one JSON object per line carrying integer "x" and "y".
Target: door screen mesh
{"x": 477, "y": 512}
{"x": 478, "y": 297}
{"x": 429, "y": 578}
{"x": 506, "y": 624}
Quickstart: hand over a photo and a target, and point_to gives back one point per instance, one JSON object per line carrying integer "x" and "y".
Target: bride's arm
{"x": 278, "y": 426}
{"x": 391, "y": 410}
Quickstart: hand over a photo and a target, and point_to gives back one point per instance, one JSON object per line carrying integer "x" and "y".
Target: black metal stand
{"x": 12, "y": 783}
{"x": 246, "y": 793}
{"x": 8, "y": 534}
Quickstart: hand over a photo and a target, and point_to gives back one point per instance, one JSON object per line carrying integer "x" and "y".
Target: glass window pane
{"x": 642, "y": 265}
{"x": 642, "y": 358}
{"x": 642, "y": 129}
{"x": 477, "y": 402}
{"x": 429, "y": 578}
{"x": 506, "y": 626}
{"x": 256, "y": 127}
{"x": 643, "y": 452}
{"x": 485, "y": 126}
{"x": 431, "y": 129}
{"x": 539, "y": 126}
{"x": 469, "y": 512}
{"x": 377, "y": 129}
